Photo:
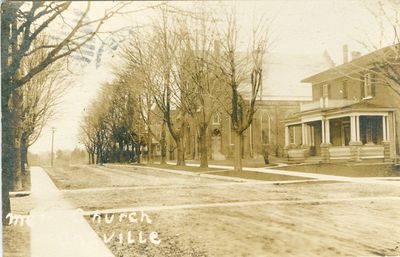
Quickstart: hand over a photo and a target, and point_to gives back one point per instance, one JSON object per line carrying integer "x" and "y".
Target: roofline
{"x": 356, "y": 65}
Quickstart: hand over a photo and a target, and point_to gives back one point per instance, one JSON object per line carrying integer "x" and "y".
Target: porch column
{"x": 386, "y": 142}
{"x": 305, "y": 140}
{"x": 384, "y": 129}
{"x": 352, "y": 128}
{"x": 355, "y": 142}
{"x": 327, "y": 132}
{"x": 325, "y": 139}
{"x": 357, "y": 127}
{"x": 294, "y": 135}
{"x": 303, "y": 134}
{"x": 286, "y": 135}
{"x": 312, "y": 133}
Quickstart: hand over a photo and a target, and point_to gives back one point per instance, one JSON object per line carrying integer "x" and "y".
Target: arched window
{"x": 216, "y": 119}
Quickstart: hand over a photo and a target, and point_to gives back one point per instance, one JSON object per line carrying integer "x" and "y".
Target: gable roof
{"x": 364, "y": 62}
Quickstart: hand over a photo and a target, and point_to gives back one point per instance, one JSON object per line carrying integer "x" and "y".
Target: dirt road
{"x": 196, "y": 217}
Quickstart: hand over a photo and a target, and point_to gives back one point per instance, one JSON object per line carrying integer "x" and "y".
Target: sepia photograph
{"x": 200, "y": 128}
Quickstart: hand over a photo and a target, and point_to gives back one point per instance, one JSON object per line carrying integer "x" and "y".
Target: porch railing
{"x": 326, "y": 103}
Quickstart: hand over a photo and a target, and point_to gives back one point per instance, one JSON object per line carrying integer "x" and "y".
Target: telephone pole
{"x": 52, "y": 146}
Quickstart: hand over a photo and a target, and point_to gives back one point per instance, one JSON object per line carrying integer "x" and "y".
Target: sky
{"x": 297, "y": 26}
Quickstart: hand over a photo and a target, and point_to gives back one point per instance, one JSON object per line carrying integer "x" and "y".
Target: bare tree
{"x": 22, "y": 23}
{"x": 201, "y": 95}
{"x": 139, "y": 74}
{"x": 111, "y": 130}
{"x": 168, "y": 94}
{"x": 242, "y": 73}
{"x": 40, "y": 95}
{"x": 88, "y": 136}
{"x": 157, "y": 66}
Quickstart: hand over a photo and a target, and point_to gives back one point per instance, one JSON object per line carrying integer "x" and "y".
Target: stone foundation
{"x": 325, "y": 151}
{"x": 355, "y": 151}
{"x": 386, "y": 151}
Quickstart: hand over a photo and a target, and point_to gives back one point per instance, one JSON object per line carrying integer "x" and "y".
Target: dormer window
{"x": 367, "y": 85}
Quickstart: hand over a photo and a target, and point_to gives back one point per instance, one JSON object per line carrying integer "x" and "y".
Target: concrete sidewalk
{"x": 57, "y": 228}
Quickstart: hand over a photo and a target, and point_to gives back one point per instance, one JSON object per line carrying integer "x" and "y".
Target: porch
{"x": 352, "y": 136}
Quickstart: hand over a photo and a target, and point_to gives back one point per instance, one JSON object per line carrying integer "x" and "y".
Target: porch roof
{"x": 363, "y": 106}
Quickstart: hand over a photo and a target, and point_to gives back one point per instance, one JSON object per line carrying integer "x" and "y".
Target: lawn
{"x": 257, "y": 175}
{"x": 183, "y": 168}
{"x": 252, "y": 163}
{"x": 349, "y": 170}
{"x": 229, "y": 173}
{"x": 76, "y": 177}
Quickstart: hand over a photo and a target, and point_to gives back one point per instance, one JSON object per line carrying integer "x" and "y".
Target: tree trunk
{"x": 242, "y": 146}
{"x": 138, "y": 153}
{"x": 266, "y": 153}
{"x": 25, "y": 171}
{"x": 132, "y": 151}
{"x": 17, "y": 178}
{"x": 203, "y": 146}
{"x": 180, "y": 152}
{"x": 163, "y": 143}
{"x": 16, "y": 98}
{"x": 97, "y": 155}
{"x": 9, "y": 13}
{"x": 7, "y": 160}
{"x": 149, "y": 156}
{"x": 237, "y": 152}
{"x": 120, "y": 151}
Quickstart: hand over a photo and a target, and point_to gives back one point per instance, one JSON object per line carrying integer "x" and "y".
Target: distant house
{"x": 352, "y": 115}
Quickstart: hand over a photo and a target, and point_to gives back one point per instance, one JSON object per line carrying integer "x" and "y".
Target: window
{"x": 340, "y": 131}
{"x": 216, "y": 119}
{"x": 367, "y": 85}
{"x": 371, "y": 129}
{"x": 345, "y": 132}
{"x": 325, "y": 90}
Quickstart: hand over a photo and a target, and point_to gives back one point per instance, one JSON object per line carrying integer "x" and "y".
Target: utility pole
{"x": 52, "y": 146}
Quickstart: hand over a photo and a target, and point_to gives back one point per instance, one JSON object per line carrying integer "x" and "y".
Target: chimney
{"x": 355, "y": 55}
{"x": 345, "y": 54}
